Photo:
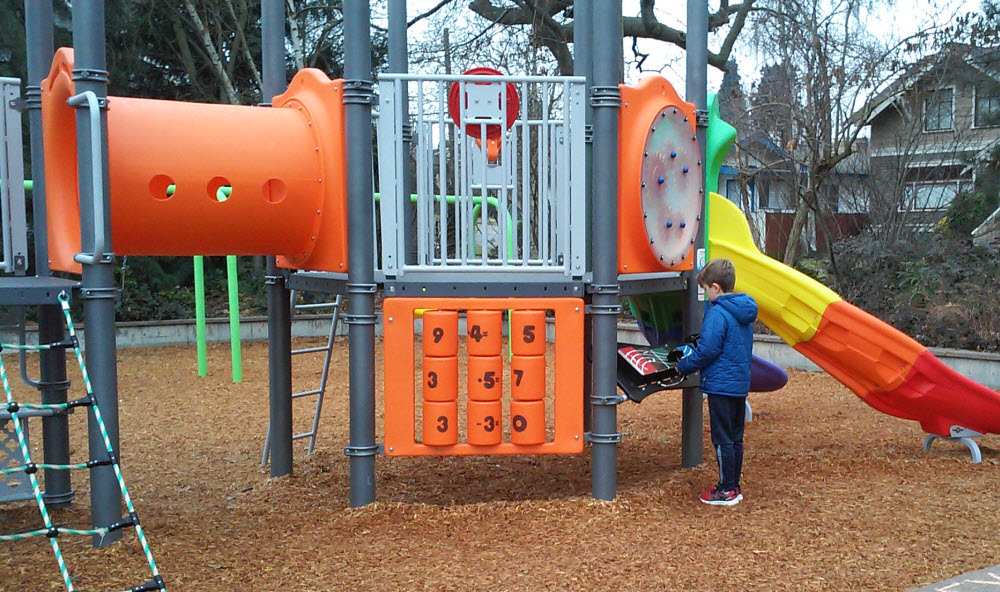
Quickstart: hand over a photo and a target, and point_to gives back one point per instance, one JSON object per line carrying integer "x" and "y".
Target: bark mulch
{"x": 838, "y": 497}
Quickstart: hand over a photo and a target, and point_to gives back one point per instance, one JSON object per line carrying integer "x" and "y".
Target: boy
{"x": 723, "y": 356}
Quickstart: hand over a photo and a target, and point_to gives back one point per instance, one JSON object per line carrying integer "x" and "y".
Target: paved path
{"x": 984, "y": 580}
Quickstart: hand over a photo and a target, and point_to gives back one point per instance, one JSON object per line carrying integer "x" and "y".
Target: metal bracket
{"x": 359, "y": 288}
{"x": 90, "y": 75}
{"x": 18, "y": 104}
{"x": 961, "y": 435}
{"x": 360, "y": 319}
{"x": 33, "y": 100}
{"x": 361, "y": 92}
{"x": 276, "y": 280}
{"x": 614, "y": 289}
{"x": 99, "y": 293}
{"x": 593, "y": 438}
{"x": 701, "y": 118}
{"x": 364, "y": 450}
{"x": 603, "y": 309}
{"x": 607, "y": 400}
{"x": 605, "y": 96}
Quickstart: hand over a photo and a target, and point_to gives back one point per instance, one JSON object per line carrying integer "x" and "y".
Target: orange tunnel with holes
{"x": 168, "y": 159}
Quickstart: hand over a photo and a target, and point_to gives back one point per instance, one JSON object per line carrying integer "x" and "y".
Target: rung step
{"x": 310, "y": 350}
{"x": 306, "y": 393}
{"x": 302, "y": 435}
{"x": 315, "y": 305}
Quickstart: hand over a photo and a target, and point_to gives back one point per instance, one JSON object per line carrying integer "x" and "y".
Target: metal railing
{"x": 519, "y": 150}
{"x": 12, "y": 204}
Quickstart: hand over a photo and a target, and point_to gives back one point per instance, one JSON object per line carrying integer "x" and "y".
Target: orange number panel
{"x": 501, "y": 410}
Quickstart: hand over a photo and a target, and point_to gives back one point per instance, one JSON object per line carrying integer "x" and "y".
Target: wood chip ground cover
{"x": 838, "y": 497}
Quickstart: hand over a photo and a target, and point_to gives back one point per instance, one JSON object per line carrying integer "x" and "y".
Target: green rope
{"x": 64, "y": 302}
{"x": 23, "y": 468}
{"x": 26, "y": 453}
{"x": 50, "y": 531}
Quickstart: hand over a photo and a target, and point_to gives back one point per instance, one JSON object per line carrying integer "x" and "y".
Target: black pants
{"x": 727, "y": 415}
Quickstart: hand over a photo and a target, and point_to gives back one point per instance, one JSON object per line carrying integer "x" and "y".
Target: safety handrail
{"x": 97, "y": 170}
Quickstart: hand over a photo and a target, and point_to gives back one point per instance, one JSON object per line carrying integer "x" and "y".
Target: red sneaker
{"x": 717, "y": 497}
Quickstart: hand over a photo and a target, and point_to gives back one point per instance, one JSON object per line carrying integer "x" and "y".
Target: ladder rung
{"x": 306, "y": 393}
{"x": 315, "y": 305}
{"x": 310, "y": 350}
{"x": 302, "y": 435}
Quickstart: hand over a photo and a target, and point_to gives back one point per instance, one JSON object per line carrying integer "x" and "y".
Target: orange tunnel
{"x": 285, "y": 167}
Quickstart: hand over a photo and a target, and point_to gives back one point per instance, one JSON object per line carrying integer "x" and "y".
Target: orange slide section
{"x": 168, "y": 159}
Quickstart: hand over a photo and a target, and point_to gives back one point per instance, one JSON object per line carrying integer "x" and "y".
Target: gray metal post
{"x": 279, "y": 311}
{"x": 98, "y": 286}
{"x": 52, "y": 364}
{"x": 583, "y": 65}
{"x": 692, "y": 407}
{"x": 360, "y": 317}
{"x": 606, "y": 101}
{"x": 398, "y": 63}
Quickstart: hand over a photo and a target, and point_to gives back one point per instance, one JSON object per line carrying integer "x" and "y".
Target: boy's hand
{"x": 672, "y": 374}
{"x": 677, "y": 353}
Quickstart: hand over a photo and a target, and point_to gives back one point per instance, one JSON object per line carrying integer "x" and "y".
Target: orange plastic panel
{"x": 859, "y": 350}
{"x": 440, "y": 379}
{"x": 484, "y": 423}
{"x": 567, "y": 400}
{"x": 440, "y": 338}
{"x": 484, "y": 329}
{"x": 285, "y": 167}
{"x": 527, "y": 378}
{"x": 440, "y": 423}
{"x": 527, "y": 332}
{"x": 527, "y": 422}
{"x": 646, "y": 155}
{"x": 485, "y": 378}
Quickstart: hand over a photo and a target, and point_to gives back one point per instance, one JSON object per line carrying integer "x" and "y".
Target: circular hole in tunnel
{"x": 219, "y": 189}
{"x": 274, "y": 190}
{"x": 161, "y": 187}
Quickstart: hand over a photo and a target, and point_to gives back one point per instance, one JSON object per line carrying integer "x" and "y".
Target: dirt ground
{"x": 838, "y": 497}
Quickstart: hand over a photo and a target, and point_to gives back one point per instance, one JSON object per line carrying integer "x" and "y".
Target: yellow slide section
{"x": 791, "y": 303}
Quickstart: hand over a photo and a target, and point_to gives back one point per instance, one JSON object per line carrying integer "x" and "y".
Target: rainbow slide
{"x": 887, "y": 369}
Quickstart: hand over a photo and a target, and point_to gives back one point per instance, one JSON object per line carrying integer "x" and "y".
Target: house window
{"x": 936, "y": 195}
{"x": 938, "y": 110}
{"x": 987, "y": 105}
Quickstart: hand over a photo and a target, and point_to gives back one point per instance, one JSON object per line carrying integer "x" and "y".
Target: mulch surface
{"x": 838, "y": 497}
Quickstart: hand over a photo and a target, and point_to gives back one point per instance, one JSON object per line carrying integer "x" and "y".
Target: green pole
{"x": 199, "y": 312}
{"x": 234, "y": 317}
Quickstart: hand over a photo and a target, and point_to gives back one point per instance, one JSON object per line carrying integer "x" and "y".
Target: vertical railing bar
{"x": 422, "y": 222}
{"x": 461, "y": 199}
{"x": 443, "y": 148}
{"x": 514, "y": 181}
{"x": 564, "y": 209}
{"x": 502, "y": 192}
{"x": 543, "y": 227}
{"x": 525, "y": 179}
{"x": 484, "y": 219}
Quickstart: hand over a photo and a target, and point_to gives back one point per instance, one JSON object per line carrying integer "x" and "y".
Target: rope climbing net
{"x": 30, "y": 468}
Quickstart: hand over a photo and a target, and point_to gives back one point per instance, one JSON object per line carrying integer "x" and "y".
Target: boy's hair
{"x": 719, "y": 271}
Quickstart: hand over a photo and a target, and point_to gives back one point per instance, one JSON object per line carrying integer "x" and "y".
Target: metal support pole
{"x": 360, "y": 317}
{"x": 583, "y": 65}
{"x": 692, "y": 407}
{"x": 398, "y": 63}
{"x": 98, "y": 286}
{"x": 52, "y": 364}
{"x": 606, "y": 101}
{"x": 279, "y": 311}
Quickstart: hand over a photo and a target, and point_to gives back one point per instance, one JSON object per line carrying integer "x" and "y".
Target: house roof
{"x": 983, "y": 59}
{"x": 990, "y": 223}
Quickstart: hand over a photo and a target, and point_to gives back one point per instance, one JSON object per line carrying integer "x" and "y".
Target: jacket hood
{"x": 742, "y": 307}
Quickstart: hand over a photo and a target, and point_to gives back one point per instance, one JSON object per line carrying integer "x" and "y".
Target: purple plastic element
{"x": 766, "y": 376}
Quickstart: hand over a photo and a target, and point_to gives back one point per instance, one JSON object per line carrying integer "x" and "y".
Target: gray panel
{"x": 15, "y": 226}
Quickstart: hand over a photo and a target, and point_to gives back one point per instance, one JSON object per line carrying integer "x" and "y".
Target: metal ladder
{"x": 317, "y": 392}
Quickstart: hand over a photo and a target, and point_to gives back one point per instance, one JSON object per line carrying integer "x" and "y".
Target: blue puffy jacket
{"x": 726, "y": 346}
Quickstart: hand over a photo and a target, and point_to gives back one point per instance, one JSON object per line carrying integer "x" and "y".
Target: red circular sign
{"x": 493, "y": 132}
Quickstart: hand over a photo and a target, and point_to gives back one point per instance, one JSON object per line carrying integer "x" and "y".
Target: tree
{"x": 833, "y": 63}
{"x": 549, "y": 24}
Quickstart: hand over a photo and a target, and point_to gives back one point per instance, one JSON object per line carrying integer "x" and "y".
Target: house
{"x": 765, "y": 180}
{"x": 930, "y": 128}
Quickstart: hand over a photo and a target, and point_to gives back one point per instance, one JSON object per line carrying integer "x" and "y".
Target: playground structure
{"x": 493, "y": 153}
